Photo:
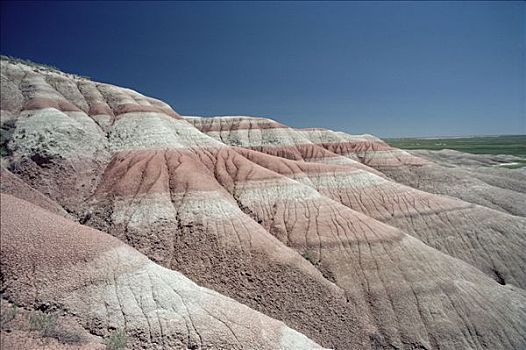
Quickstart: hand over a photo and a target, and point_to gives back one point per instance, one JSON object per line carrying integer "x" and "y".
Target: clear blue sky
{"x": 390, "y": 69}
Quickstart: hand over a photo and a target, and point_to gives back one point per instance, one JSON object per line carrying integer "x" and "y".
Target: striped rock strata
{"x": 500, "y": 190}
{"x": 234, "y": 209}
{"x": 106, "y": 284}
{"x": 300, "y": 225}
{"x": 473, "y": 178}
{"x": 451, "y": 173}
{"x": 466, "y": 231}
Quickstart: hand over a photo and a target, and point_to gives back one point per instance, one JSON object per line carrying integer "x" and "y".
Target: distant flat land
{"x": 508, "y": 144}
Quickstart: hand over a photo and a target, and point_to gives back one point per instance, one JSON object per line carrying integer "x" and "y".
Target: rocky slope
{"x": 308, "y": 238}
{"x": 461, "y": 229}
{"x": 107, "y": 285}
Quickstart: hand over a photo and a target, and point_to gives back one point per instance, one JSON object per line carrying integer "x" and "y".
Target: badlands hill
{"x": 119, "y": 216}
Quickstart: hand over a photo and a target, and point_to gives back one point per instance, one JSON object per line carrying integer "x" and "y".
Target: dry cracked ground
{"x": 124, "y": 221}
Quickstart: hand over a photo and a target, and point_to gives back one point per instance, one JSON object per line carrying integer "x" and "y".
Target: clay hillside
{"x": 127, "y": 225}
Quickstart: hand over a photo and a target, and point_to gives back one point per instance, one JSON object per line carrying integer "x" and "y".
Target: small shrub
{"x": 45, "y": 324}
{"x": 65, "y": 336}
{"x": 39, "y": 66}
{"x": 309, "y": 256}
{"x": 29, "y": 63}
{"x": 8, "y": 316}
{"x": 117, "y": 341}
{"x": 6, "y": 131}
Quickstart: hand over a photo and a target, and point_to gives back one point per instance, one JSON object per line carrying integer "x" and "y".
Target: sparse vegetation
{"x": 48, "y": 327}
{"x": 8, "y": 316}
{"x": 506, "y": 144}
{"x": 41, "y": 66}
{"x": 117, "y": 341}
{"x": 518, "y": 164}
{"x": 28, "y": 63}
{"x": 43, "y": 323}
{"x": 309, "y": 256}
{"x": 6, "y": 130}
{"x": 65, "y": 336}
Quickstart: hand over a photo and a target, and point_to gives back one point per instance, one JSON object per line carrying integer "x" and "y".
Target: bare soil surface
{"x": 123, "y": 221}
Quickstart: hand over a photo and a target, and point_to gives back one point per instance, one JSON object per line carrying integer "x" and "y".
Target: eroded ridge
{"x": 304, "y": 226}
{"x": 473, "y": 233}
{"x": 239, "y": 207}
{"x": 107, "y": 285}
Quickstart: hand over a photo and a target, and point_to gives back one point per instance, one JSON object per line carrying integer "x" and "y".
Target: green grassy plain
{"x": 507, "y": 144}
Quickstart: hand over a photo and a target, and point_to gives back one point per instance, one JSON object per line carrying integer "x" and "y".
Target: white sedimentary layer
{"x": 263, "y": 191}
{"x": 350, "y": 179}
{"x": 162, "y": 208}
{"x": 210, "y": 204}
{"x": 35, "y": 86}
{"x": 103, "y": 120}
{"x": 384, "y": 154}
{"x": 131, "y": 292}
{"x": 329, "y": 136}
{"x": 150, "y": 130}
{"x": 232, "y": 118}
{"x": 377, "y": 157}
{"x": 54, "y": 133}
{"x": 337, "y": 159}
{"x": 144, "y": 210}
{"x": 259, "y": 137}
{"x": 116, "y": 96}
{"x": 69, "y": 89}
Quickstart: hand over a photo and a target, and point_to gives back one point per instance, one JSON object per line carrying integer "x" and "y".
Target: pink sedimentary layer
{"x": 28, "y": 89}
{"x": 106, "y": 284}
{"x": 293, "y": 223}
{"x": 329, "y": 233}
{"x": 232, "y": 123}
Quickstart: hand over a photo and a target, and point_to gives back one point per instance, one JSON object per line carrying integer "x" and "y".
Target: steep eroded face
{"x": 305, "y": 226}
